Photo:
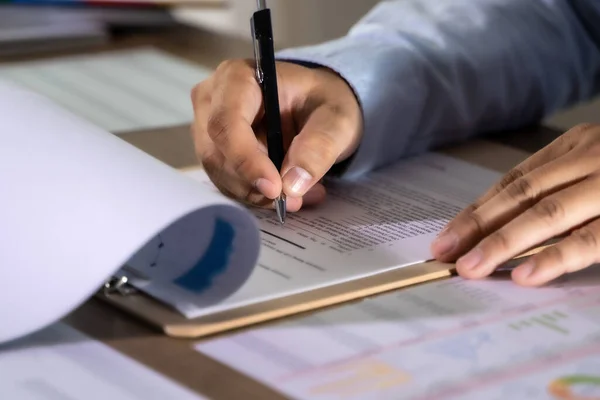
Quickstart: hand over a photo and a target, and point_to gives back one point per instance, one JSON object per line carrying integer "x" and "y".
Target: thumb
{"x": 326, "y": 138}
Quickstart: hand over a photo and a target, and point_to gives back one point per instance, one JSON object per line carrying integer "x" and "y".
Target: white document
{"x": 60, "y": 363}
{"x": 118, "y": 91}
{"x": 382, "y": 222}
{"x": 78, "y": 203}
{"x": 451, "y": 339}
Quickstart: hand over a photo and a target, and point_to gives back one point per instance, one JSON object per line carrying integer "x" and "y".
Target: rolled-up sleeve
{"x": 433, "y": 72}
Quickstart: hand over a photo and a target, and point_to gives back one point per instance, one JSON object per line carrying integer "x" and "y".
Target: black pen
{"x": 266, "y": 75}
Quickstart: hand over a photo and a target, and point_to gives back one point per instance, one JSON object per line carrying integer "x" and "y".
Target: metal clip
{"x": 118, "y": 285}
{"x": 259, "y": 75}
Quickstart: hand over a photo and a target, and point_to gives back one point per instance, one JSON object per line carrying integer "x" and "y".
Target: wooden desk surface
{"x": 175, "y": 358}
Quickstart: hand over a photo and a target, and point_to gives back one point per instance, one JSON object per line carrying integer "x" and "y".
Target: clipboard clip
{"x": 119, "y": 285}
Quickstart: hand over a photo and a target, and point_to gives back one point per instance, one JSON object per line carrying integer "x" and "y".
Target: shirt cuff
{"x": 365, "y": 67}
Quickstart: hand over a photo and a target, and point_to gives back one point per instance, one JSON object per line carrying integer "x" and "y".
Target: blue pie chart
{"x": 213, "y": 262}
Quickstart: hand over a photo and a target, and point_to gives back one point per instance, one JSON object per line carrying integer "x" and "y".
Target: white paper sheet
{"x": 382, "y": 222}
{"x": 60, "y": 363}
{"x": 118, "y": 91}
{"x": 77, "y": 203}
{"x": 452, "y": 339}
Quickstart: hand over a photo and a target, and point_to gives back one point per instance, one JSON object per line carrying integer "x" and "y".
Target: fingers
{"x": 230, "y": 184}
{"x": 472, "y": 225}
{"x": 213, "y": 161}
{"x": 546, "y": 219}
{"x": 235, "y": 104}
{"x": 559, "y": 147}
{"x": 229, "y": 140}
{"x": 551, "y": 152}
{"x": 225, "y": 108}
{"x": 578, "y": 251}
{"x": 328, "y": 133}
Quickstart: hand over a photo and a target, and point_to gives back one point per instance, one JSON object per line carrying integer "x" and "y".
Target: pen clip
{"x": 257, "y": 57}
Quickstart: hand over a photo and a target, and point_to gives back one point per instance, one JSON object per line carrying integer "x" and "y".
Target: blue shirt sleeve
{"x": 433, "y": 72}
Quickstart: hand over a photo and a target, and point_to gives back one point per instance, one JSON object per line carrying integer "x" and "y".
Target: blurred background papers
{"x": 26, "y": 31}
{"x": 32, "y": 27}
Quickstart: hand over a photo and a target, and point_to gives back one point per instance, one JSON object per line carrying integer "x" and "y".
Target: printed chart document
{"x": 118, "y": 91}
{"x": 450, "y": 339}
{"x": 60, "y": 363}
{"x": 80, "y": 206}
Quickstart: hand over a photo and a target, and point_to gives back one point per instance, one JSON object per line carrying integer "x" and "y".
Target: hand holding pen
{"x": 266, "y": 76}
{"x": 320, "y": 123}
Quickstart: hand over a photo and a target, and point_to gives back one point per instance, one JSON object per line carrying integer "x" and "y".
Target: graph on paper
{"x": 462, "y": 348}
{"x": 555, "y": 321}
{"x": 360, "y": 379}
{"x": 576, "y": 387}
{"x": 452, "y": 339}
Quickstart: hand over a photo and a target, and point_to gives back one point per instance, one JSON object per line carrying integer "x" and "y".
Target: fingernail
{"x": 526, "y": 269}
{"x": 445, "y": 243}
{"x": 443, "y": 231}
{"x": 265, "y": 187}
{"x": 471, "y": 260}
{"x": 297, "y": 180}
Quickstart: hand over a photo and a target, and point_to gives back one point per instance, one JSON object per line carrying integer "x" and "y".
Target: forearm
{"x": 432, "y": 72}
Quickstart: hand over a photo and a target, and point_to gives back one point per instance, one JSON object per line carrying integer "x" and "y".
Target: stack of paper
{"x": 26, "y": 31}
{"x": 62, "y": 363}
{"x": 118, "y": 91}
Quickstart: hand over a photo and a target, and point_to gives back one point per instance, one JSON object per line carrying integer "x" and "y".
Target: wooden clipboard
{"x": 172, "y": 323}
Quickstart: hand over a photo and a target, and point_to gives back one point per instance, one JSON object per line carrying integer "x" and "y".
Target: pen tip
{"x": 280, "y": 207}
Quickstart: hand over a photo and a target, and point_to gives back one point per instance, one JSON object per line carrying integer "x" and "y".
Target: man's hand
{"x": 322, "y": 125}
{"x": 555, "y": 192}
